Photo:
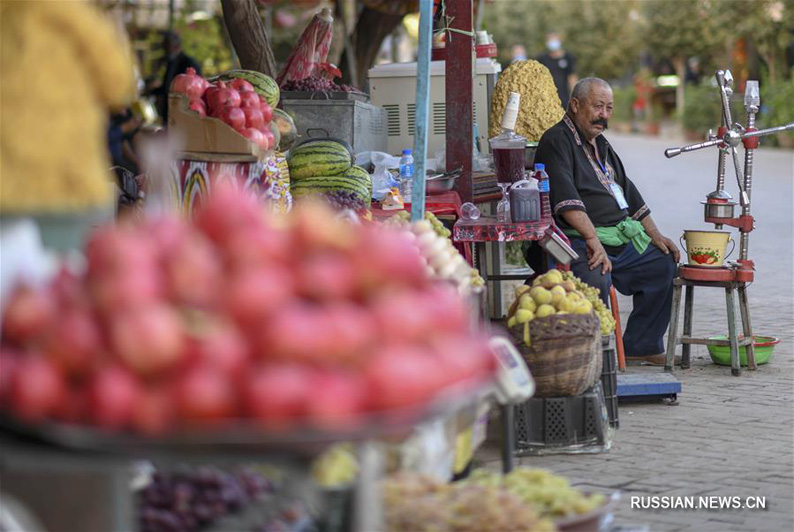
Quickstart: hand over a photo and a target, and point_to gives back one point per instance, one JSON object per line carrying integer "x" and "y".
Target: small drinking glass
{"x": 469, "y": 211}
{"x": 503, "y": 207}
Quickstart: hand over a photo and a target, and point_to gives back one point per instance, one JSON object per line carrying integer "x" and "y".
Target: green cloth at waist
{"x": 617, "y": 235}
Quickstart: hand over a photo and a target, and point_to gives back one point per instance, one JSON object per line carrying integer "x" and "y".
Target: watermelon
{"x": 322, "y": 184}
{"x": 320, "y": 158}
{"x": 263, "y": 84}
{"x": 286, "y": 127}
{"x": 356, "y": 172}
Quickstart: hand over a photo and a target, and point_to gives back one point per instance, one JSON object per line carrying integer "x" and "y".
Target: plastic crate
{"x": 549, "y": 425}
{"x": 609, "y": 379}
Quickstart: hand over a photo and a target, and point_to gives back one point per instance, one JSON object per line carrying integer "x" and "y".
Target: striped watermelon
{"x": 321, "y": 184}
{"x": 356, "y": 172}
{"x": 319, "y": 158}
{"x": 263, "y": 84}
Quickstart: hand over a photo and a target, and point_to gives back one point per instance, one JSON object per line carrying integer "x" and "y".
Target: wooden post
{"x": 459, "y": 98}
{"x": 422, "y": 104}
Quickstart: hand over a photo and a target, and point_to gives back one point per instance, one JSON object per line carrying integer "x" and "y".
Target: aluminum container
{"x": 361, "y": 124}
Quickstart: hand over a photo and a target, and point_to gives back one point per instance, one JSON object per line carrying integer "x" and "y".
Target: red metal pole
{"x": 459, "y": 99}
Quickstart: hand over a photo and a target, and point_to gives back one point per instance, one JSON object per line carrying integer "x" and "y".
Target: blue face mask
{"x": 554, "y": 45}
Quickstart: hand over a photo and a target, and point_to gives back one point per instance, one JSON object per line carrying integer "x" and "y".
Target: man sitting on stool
{"x": 608, "y": 222}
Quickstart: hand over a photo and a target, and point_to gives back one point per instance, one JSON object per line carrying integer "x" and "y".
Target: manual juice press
{"x": 719, "y": 209}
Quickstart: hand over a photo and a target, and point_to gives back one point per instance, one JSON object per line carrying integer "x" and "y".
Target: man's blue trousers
{"x": 649, "y": 279}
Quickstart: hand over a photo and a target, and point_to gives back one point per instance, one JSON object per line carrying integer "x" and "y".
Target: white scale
{"x": 513, "y": 385}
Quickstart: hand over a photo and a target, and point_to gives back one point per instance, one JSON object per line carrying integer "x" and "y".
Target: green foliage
{"x": 766, "y": 24}
{"x": 778, "y": 102}
{"x": 681, "y": 28}
{"x": 594, "y": 31}
{"x": 623, "y": 100}
{"x": 203, "y": 40}
{"x": 703, "y": 110}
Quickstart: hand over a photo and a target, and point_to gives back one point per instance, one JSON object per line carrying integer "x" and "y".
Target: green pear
{"x": 583, "y": 307}
{"x": 528, "y": 303}
{"x": 540, "y": 295}
{"x": 545, "y": 310}
{"x": 557, "y": 294}
{"x": 524, "y": 316}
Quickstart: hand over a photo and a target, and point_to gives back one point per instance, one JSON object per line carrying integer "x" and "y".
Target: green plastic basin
{"x": 764, "y": 346}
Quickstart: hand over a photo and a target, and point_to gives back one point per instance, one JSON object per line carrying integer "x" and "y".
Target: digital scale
{"x": 513, "y": 385}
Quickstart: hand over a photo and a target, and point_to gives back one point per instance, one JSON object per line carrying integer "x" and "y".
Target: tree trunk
{"x": 371, "y": 28}
{"x": 249, "y": 37}
{"x": 680, "y": 71}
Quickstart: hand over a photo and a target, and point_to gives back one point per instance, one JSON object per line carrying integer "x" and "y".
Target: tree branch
{"x": 248, "y": 36}
{"x": 371, "y": 29}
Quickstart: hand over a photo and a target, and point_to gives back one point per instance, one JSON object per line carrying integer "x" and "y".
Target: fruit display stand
{"x": 160, "y": 336}
{"x": 44, "y": 461}
{"x": 194, "y": 174}
{"x": 213, "y": 151}
{"x": 486, "y": 230}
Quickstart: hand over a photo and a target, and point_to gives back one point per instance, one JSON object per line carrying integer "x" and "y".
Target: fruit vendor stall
{"x": 228, "y": 129}
{"x": 246, "y": 358}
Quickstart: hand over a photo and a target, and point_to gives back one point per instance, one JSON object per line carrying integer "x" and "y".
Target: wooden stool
{"x": 686, "y": 339}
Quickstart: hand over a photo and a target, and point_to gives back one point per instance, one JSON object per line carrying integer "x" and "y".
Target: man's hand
{"x": 659, "y": 240}
{"x": 597, "y": 255}
{"x": 666, "y": 245}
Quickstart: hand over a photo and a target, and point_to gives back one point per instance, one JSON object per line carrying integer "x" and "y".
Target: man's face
{"x": 592, "y": 113}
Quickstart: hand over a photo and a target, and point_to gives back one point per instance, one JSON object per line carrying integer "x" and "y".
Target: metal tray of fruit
{"x": 598, "y": 519}
{"x": 322, "y": 95}
{"x": 248, "y": 436}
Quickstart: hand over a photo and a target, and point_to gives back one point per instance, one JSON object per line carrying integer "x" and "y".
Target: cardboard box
{"x": 207, "y": 135}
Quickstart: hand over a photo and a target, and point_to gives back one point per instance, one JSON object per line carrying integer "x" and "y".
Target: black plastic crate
{"x": 609, "y": 378}
{"x": 563, "y": 424}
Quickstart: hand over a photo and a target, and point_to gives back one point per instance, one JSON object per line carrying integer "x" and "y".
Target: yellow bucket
{"x": 707, "y": 248}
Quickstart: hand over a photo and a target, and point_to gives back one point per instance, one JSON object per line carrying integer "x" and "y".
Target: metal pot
{"x": 718, "y": 210}
{"x": 439, "y": 184}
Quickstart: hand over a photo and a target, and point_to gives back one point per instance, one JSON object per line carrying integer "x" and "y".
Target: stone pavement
{"x": 727, "y": 436}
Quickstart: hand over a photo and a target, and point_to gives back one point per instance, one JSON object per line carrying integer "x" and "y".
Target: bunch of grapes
{"x": 316, "y": 85}
{"x": 187, "y": 500}
{"x": 438, "y": 226}
{"x": 593, "y": 295}
{"x": 413, "y": 502}
{"x": 340, "y": 200}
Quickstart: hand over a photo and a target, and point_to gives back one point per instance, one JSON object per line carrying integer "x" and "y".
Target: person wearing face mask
{"x": 176, "y": 62}
{"x": 608, "y": 221}
{"x": 561, "y": 64}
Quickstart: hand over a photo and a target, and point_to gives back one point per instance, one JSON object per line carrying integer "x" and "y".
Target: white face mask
{"x": 554, "y": 44}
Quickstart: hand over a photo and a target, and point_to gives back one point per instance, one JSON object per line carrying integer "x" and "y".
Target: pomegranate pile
{"x": 304, "y": 320}
{"x": 234, "y": 102}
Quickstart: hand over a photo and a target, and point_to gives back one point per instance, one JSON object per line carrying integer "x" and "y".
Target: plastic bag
{"x": 382, "y": 179}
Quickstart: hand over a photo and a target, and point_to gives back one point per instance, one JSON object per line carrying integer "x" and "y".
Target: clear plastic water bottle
{"x": 406, "y": 174}
{"x": 543, "y": 188}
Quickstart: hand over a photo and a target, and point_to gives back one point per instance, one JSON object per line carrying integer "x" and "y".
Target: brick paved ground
{"x": 728, "y": 436}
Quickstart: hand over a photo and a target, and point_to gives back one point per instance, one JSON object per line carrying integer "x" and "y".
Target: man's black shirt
{"x": 575, "y": 184}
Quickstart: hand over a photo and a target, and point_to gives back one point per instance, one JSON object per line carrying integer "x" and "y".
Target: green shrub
{"x": 778, "y": 105}
{"x": 623, "y": 99}
{"x": 203, "y": 40}
{"x": 703, "y": 109}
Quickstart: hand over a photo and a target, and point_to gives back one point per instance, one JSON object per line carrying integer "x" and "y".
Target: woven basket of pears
{"x": 564, "y": 353}
{"x": 556, "y": 327}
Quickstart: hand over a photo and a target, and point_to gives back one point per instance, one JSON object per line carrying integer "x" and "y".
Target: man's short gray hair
{"x": 583, "y": 87}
